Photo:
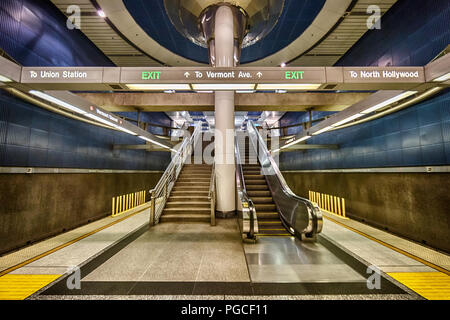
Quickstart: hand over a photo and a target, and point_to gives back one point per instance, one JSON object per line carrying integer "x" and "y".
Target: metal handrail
{"x": 302, "y": 216}
{"x": 212, "y": 195}
{"x": 249, "y": 221}
{"x": 160, "y": 193}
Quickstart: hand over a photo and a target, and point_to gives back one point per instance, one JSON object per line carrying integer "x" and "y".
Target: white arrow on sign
{"x": 187, "y": 74}
{"x": 259, "y": 74}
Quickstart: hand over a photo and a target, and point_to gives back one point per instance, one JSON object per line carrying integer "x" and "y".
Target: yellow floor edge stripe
{"x": 409, "y": 255}
{"x": 430, "y": 285}
{"x": 46, "y": 253}
{"x": 21, "y": 286}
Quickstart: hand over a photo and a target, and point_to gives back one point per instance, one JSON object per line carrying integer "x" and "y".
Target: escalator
{"x": 269, "y": 207}
{"x": 269, "y": 222}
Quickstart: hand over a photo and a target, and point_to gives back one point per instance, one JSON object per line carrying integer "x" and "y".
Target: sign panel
{"x": 384, "y": 75}
{"x": 222, "y": 75}
{"x": 62, "y": 75}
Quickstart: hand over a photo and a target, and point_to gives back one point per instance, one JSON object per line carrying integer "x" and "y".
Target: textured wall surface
{"x": 412, "y": 33}
{"x": 37, "y": 206}
{"x": 413, "y": 205}
{"x": 33, "y": 137}
{"x": 34, "y": 33}
{"x": 416, "y": 136}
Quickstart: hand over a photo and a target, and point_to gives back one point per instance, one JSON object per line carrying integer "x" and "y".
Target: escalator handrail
{"x": 313, "y": 209}
{"x": 245, "y": 200}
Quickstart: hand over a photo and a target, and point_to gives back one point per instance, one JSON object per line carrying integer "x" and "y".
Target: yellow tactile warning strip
{"x": 21, "y": 286}
{"x": 46, "y": 253}
{"x": 427, "y": 263}
{"x": 430, "y": 285}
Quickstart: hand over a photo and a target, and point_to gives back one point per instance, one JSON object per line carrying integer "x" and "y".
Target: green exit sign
{"x": 151, "y": 75}
{"x": 294, "y": 75}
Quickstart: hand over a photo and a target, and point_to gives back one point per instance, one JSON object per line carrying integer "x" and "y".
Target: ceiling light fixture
{"x": 4, "y": 79}
{"x": 322, "y": 130}
{"x": 56, "y": 101}
{"x": 288, "y": 86}
{"x": 353, "y": 117}
{"x": 157, "y": 143}
{"x": 223, "y": 86}
{"x": 295, "y": 142}
{"x": 389, "y": 101}
{"x": 101, "y": 13}
{"x": 443, "y": 78}
{"x": 158, "y": 86}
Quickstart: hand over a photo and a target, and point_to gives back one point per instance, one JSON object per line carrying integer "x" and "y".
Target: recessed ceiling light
{"x": 101, "y": 13}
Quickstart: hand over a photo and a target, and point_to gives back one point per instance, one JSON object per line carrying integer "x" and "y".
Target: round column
{"x": 224, "y": 115}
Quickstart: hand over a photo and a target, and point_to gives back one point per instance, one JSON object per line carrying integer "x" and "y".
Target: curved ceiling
{"x": 296, "y": 17}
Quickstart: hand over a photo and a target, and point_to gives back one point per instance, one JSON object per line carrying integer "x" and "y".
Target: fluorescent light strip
{"x": 159, "y": 86}
{"x": 56, "y": 101}
{"x": 4, "y": 79}
{"x": 97, "y": 118}
{"x": 322, "y": 130}
{"x": 288, "y": 86}
{"x": 157, "y": 143}
{"x": 295, "y": 142}
{"x": 443, "y": 78}
{"x": 353, "y": 117}
{"x": 223, "y": 86}
{"x": 125, "y": 130}
{"x": 245, "y": 91}
{"x": 389, "y": 101}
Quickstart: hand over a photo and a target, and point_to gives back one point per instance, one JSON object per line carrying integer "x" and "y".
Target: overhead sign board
{"x": 223, "y": 75}
{"x": 384, "y": 74}
{"x": 62, "y": 75}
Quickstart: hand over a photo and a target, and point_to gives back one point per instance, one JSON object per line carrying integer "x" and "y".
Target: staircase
{"x": 188, "y": 201}
{"x": 269, "y": 223}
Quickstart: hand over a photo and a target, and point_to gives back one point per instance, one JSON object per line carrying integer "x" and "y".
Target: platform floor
{"x": 129, "y": 260}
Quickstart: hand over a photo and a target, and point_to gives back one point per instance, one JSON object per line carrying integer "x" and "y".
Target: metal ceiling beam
{"x": 116, "y": 102}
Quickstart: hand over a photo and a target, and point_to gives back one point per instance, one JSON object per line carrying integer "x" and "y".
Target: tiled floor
{"x": 179, "y": 252}
{"x": 289, "y": 260}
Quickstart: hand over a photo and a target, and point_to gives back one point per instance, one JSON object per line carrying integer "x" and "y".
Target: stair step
{"x": 190, "y": 180}
{"x": 184, "y": 204}
{"x": 255, "y": 181}
{"x": 187, "y": 210}
{"x": 267, "y": 215}
{"x": 254, "y": 176}
{"x": 191, "y": 188}
{"x": 189, "y": 192}
{"x": 192, "y": 197}
{"x": 257, "y": 200}
{"x": 265, "y": 207}
{"x": 258, "y": 193}
{"x": 185, "y": 218}
{"x": 189, "y": 183}
{"x": 263, "y": 187}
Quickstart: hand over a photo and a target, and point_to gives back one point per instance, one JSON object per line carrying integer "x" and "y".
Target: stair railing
{"x": 160, "y": 193}
{"x": 212, "y": 195}
{"x": 247, "y": 219}
{"x": 301, "y": 216}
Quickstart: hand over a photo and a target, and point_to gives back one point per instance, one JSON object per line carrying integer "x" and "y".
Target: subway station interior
{"x": 224, "y": 150}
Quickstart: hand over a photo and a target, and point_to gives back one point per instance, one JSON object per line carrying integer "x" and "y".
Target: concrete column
{"x": 224, "y": 115}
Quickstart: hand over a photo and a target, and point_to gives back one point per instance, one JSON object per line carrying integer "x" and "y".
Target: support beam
{"x": 163, "y": 102}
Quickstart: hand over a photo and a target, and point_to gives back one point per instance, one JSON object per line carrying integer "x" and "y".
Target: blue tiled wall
{"x": 412, "y": 33}
{"x": 33, "y": 137}
{"x": 299, "y": 117}
{"x": 416, "y": 136}
{"x": 34, "y": 33}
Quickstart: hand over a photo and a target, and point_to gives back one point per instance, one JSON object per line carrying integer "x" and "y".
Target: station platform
{"x": 122, "y": 258}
